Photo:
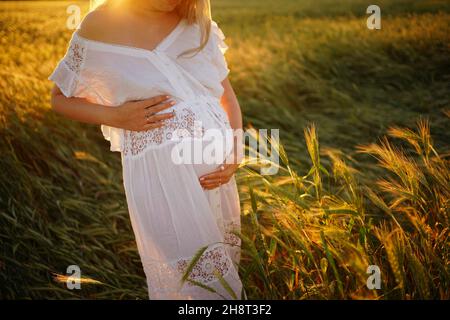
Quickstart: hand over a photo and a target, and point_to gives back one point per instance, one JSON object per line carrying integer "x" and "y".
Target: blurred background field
{"x": 311, "y": 231}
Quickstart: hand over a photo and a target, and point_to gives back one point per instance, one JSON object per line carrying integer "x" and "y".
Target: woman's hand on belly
{"x": 141, "y": 115}
{"x": 217, "y": 178}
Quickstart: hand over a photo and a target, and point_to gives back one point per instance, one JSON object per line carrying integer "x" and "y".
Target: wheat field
{"x": 375, "y": 191}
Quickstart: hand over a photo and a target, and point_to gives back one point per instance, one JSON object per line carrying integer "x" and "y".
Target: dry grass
{"x": 316, "y": 236}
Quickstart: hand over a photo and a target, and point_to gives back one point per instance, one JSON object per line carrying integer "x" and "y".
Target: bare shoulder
{"x": 97, "y": 24}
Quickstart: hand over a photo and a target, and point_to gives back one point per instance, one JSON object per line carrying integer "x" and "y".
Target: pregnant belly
{"x": 199, "y": 135}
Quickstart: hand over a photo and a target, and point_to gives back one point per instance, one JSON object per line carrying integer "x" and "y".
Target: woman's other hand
{"x": 217, "y": 178}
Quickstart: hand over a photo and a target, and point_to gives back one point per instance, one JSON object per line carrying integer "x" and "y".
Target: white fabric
{"x": 172, "y": 216}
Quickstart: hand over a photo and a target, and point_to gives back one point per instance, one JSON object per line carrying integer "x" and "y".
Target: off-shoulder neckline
{"x": 161, "y": 46}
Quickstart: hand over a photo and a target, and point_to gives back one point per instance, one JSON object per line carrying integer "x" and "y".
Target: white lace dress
{"x": 171, "y": 214}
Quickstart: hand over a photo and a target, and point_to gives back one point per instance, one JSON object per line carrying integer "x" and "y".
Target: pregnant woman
{"x": 152, "y": 73}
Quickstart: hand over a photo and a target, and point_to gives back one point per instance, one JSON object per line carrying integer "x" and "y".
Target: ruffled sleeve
{"x": 67, "y": 74}
{"x": 71, "y": 77}
{"x": 219, "y": 49}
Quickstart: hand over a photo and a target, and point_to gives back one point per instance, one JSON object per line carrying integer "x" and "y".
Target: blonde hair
{"x": 194, "y": 11}
{"x": 197, "y": 11}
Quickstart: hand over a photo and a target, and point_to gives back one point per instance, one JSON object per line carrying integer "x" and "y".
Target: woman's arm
{"x": 136, "y": 115}
{"x": 80, "y": 109}
{"x": 231, "y": 106}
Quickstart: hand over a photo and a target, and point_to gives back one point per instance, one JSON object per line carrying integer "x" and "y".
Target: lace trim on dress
{"x": 185, "y": 124}
{"x": 166, "y": 276}
{"x": 75, "y": 56}
{"x": 230, "y": 229}
{"x": 212, "y": 261}
{"x": 67, "y": 74}
{"x": 182, "y": 125}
